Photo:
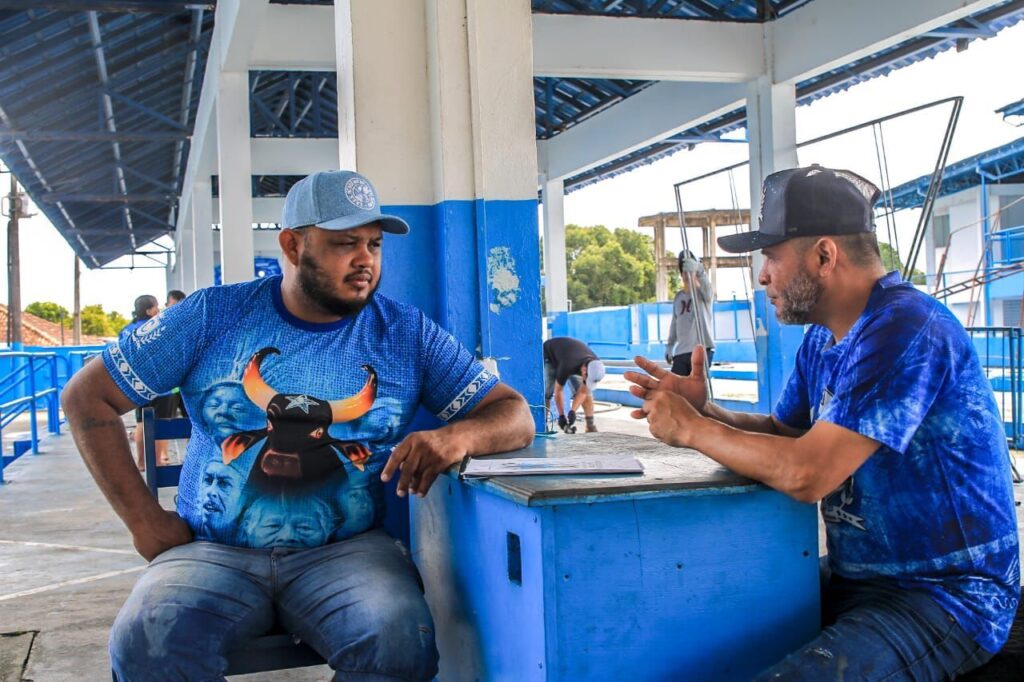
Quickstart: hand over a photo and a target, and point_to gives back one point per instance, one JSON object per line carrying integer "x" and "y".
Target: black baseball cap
{"x": 808, "y": 202}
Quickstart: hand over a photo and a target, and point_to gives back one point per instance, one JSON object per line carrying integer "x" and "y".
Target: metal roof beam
{"x": 646, "y": 49}
{"x": 648, "y": 116}
{"x": 134, "y": 6}
{"x": 94, "y": 136}
{"x": 842, "y": 33}
{"x": 54, "y": 197}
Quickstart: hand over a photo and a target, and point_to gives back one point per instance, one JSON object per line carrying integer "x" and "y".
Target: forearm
{"x": 503, "y": 425}
{"x": 777, "y": 461}
{"x": 744, "y": 421}
{"x": 560, "y": 399}
{"x": 100, "y": 436}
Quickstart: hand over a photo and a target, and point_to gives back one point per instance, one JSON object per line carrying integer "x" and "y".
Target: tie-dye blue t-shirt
{"x": 932, "y": 509}
{"x": 292, "y": 422}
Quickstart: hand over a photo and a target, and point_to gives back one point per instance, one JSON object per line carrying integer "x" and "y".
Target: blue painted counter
{"x": 687, "y": 571}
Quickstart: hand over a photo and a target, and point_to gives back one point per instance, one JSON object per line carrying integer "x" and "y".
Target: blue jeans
{"x": 358, "y": 603}
{"x": 877, "y": 631}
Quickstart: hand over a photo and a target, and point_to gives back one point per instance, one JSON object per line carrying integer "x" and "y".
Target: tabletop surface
{"x": 666, "y": 469}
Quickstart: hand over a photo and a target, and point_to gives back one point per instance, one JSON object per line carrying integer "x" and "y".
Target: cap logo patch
{"x": 359, "y": 192}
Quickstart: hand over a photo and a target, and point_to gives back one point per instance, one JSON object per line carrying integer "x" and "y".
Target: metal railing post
{"x": 32, "y": 404}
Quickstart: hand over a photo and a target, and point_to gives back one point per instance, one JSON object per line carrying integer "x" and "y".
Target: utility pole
{"x": 76, "y": 325}
{"x": 15, "y": 209}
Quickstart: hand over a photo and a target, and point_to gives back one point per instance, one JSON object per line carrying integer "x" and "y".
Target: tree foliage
{"x": 95, "y": 320}
{"x": 892, "y": 261}
{"x": 608, "y": 267}
{"x": 48, "y": 310}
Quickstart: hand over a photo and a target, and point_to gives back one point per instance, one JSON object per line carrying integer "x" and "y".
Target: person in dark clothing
{"x": 569, "y": 360}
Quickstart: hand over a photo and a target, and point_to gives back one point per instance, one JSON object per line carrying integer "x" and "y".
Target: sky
{"x": 979, "y": 74}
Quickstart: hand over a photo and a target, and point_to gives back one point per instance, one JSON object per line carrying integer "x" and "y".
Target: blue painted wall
{"x": 474, "y": 267}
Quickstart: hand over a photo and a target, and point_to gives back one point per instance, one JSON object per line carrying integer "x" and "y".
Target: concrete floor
{"x": 67, "y": 564}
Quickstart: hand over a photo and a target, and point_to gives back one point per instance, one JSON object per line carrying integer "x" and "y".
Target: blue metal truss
{"x": 1015, "y": 109}
{"x": 293, "y": 103}
{"x": 1002, "y": 164}
{"x": 710, "y": 10}
{"x": 95, "y": 112}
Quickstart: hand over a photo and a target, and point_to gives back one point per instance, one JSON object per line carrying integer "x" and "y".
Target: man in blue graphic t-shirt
{"x": 300, "y": 389}
{"x": 889, "y": 421}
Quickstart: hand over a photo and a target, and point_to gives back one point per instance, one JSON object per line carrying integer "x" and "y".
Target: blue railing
{"x": 1008, "y": 246}
{"x": 1001, "y": 351}
{"x": 30, "y": 380}
{"x": 22, "y": 389}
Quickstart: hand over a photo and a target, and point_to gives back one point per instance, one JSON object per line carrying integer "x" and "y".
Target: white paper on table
{"x": 531, "y": 466}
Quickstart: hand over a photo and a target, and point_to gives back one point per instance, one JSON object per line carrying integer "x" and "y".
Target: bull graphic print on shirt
{"x": 292, "y": 421}
{"x": 298, "y": 449}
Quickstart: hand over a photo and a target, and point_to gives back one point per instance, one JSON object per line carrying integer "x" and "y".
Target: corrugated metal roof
{"x": 1002, "y": 164}
{"x": 96, "y": 110}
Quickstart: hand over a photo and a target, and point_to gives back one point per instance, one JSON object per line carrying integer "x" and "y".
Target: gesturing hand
{"x": 692, "y": 387}
{"x": 421, "y": 457}
{"x": 160, "y": 533}
{"x": 672, "y": 419}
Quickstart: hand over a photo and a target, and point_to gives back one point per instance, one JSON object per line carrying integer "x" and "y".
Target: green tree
{"x": 608, "y": 267}
{"x": 892, "y": 261}
{"x": 97, "y": 322}
{"x": 117, "y": 321}
{"x": 48, "y": 310}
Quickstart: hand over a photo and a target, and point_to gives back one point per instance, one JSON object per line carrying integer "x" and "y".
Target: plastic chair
{"x": 276, "y": 650}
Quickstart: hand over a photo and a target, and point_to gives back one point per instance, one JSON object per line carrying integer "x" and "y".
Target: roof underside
{"x": 96, "y": 108}
{"x": 956, "y": 35}
{"x": 1001, "y": 165}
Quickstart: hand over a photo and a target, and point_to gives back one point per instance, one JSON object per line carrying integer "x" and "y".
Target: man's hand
{"x": 692, "y": 387}
{"x": 672, "y": 419}
{"x": 570, "y": 418}
{"x": 421, "y": 457}
{"x": 669, "y": 357}
{"x": 562, "y": 421}
{"x": 158, "y": 535}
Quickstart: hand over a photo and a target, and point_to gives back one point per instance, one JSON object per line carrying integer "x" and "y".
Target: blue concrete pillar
{"x": 771, "y": 122}
{"x": 444, "y": 127}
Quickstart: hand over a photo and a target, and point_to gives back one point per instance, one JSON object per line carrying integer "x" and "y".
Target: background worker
{"x": 570, "y": 360}
{"x": 691, "y": 316}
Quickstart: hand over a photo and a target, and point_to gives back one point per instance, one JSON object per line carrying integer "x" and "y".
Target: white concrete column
{"x": 771, "y": 121}
{"x": 202, "y": 237}
{"x": 234, "y": 162}
{"x": 346, "y": 85}
{"x": 185, "y": 266}
{"x": 556, "y": 287}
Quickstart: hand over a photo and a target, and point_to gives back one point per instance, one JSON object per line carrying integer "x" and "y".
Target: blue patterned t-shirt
{"x": 292, "y": 421}
{"x": 932, "y": 509}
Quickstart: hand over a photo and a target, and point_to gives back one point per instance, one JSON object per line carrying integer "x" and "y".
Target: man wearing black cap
{"x": 889, "y": 421}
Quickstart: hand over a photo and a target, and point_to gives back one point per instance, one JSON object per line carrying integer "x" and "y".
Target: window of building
{"x": 940, "y": 230}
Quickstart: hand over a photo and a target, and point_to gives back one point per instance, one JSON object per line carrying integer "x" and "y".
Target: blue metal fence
{"x": 1001, "y": 351}
{"x": 31, "y": 380}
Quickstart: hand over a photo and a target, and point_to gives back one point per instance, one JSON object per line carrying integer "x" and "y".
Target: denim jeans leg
{"x": 880, "y": 633}
{"x": 186, "y": 609}
{"x": 359, "y": 603}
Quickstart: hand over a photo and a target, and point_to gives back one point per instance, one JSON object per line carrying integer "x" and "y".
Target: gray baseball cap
{"x": 336, "y": 200}
{"x": 595, "y": 372}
